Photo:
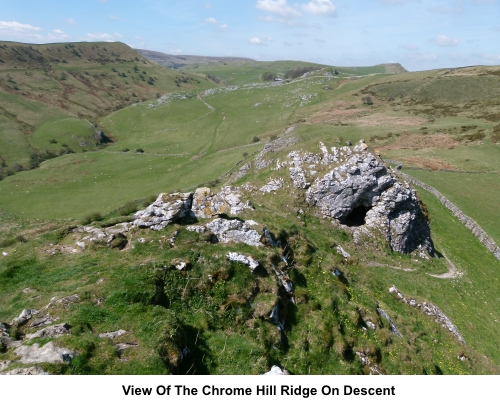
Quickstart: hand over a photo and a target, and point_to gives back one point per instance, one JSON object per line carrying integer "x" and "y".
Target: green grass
{"x": 475, "y": 194}
{"x": 218, "y": 309}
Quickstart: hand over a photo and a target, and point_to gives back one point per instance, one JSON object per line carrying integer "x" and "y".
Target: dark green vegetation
{"x": 442, "y": 125}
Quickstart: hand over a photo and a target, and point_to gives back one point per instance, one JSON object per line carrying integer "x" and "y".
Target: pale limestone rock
{"x": 360, "y": 191}
{"x": 166, "y": 209}
{"x": 246, "y": 260}
{"x": 234, "y": 231}
{"x": 275, "y": 370}
{"x": 272, "y": 185}
{"x": 24, "y": 316}
{"x": 207, "y": 204}
{"x": 26, "y": 371}
{"x": 430, "y": 310}
{"x": 49, "y": 353}
{"x": 50, "y": 331}
{"x": 196, "y": 228}
{"x": 112, "y": 335}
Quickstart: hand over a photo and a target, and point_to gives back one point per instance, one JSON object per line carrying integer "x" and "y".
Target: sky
{"x": 419, "y": 34}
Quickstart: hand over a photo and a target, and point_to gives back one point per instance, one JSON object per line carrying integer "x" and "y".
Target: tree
{"x": 268, "y": 76}
{"x": 255, "y": 139}
{"x": 367, "y": 100}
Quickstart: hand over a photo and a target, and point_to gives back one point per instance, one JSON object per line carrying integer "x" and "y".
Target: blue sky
{"x": 419, "y": 34}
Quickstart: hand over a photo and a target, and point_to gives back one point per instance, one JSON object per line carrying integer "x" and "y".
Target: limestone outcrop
{"x": 49, "y": 353}
{"x": 50, "y": 331}
{"x": 207, "y": 204}
{"x": 273, "y": 185}
{"x": 246, "y": 260}
{"x": 166, "y": 209}
{"x": 430, "y": 310}
{"x": 234, "y": 231}
{"x": 359, "y": 190}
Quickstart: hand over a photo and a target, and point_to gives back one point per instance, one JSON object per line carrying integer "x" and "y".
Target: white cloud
{"x": 212, "y": 20}
{"x": 102, "y": 36}
{"x": 260, "y": 41}
{"x": 114, "y": 17}
{"x": 422, "y": 56}
{"x": 319, "y": 40}
{"x": 443, "y": 40}
{"x": 278, "y": 7}
{"x": 285, "y": 21}
{"x": 70, "y": 21}
{"x": 13, "y": 30}
{"x": 57, "y": 34}
{"x": 485, "y": 2}
{"x": 320, "y": 7}
{"x": 14, "y": 26}
{"x": 208, "y": 6}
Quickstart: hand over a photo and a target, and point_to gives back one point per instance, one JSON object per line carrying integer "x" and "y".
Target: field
{"x": 185, "y": 130}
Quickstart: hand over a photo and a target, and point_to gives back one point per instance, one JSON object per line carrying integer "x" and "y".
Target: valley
{"x": 92, "y": 133}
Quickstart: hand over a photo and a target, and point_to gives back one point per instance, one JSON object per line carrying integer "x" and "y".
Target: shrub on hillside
{"x": 214, "y": 78}
{"x": 95, "y": 216}
{"x": 139, "y": 150}
{"x": 297, "y": 72}
{"x": 128, "y": 208}
{"x": 367, "y": 100}
{"x": 255, "y": 139}
{"x": 268, "y": 76}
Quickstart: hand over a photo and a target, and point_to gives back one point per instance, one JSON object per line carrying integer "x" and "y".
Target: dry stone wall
{"x": 474, "y": 227}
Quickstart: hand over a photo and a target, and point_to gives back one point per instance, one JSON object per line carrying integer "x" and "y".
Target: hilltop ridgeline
{"x": 352, "y": 186}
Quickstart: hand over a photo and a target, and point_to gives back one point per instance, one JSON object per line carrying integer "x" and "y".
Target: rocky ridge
{"x": 354, "y": 187}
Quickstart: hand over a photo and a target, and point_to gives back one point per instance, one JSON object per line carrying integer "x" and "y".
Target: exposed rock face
{"x": 196, "y": 228}
{"x": 50, "y": 331}
{"x": 275, "y": 370}
{"x": 4, "y": 364}
{"x": 112, "y": 236}
{"x": 431, "y": 310}
{"x": 359, "y": 182}
{"x": 49, "y": 353}
{"x": 392, "y": 325}
{"x": 360, "y": 190}
{"x": 273, "y": 185}
{"x": 166, "y": 209}
{"x": 246, "y": 260}
{"x": 207, "y": 204}
{"x": 24, "y": 316}
{"x": 26, "y": 371}
{"x": 234, "y": 231}
{"x": 112, "y": 335}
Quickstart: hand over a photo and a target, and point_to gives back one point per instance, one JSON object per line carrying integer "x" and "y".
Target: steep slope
{"x": 63, "y": 86}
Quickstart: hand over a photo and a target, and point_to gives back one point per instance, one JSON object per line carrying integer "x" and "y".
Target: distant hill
{"x": 393, "y": 68}
{"x": 58, "y": 85}
{"x": 179, "y": 61}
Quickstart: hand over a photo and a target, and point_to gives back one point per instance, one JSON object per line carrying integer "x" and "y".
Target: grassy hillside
{"x": 237, "y": 71}
{"x": 56, "y": 85}
{"x": 183, "y": 131}
{"x": 178, "y": 61}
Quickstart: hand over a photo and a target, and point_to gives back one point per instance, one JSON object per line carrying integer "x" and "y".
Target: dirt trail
{"x": 375, "y": 264}
{"x": 452, "y": 271}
